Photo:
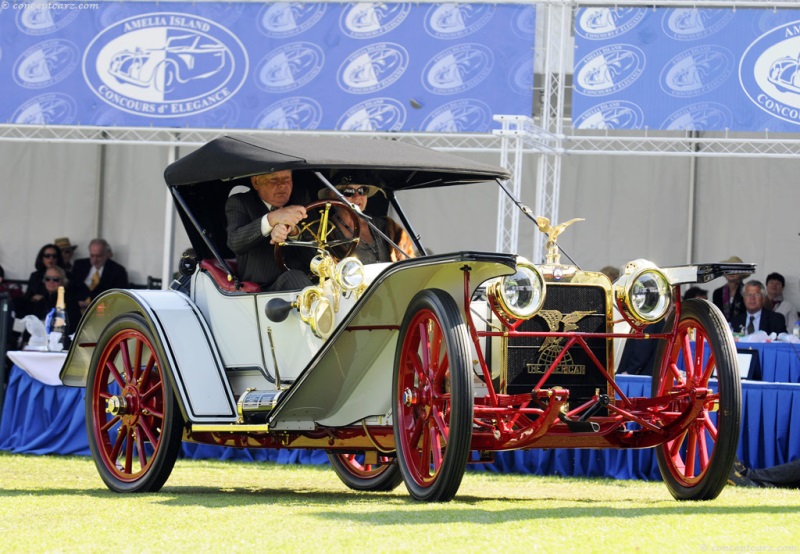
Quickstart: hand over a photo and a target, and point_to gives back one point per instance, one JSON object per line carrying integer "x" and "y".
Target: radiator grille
{"x": 565, "y": 306}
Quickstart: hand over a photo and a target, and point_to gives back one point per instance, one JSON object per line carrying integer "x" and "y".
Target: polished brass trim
{"x": 229, "y": 428}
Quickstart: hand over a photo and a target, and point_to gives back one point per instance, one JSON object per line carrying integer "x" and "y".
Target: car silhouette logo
{"x": 702, "y": 116}
{"x": 39, "y": 17}
{"x": 184, "y": 58}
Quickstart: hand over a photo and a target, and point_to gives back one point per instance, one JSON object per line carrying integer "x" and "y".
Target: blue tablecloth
{"x": 780, "y": 361}
{"x": 41, "y": 419}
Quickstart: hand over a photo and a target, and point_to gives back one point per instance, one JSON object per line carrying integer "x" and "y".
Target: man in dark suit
{"x": 258, "y": 220}
{"x": 97, "y": 273}
{"x": 755, "y": 317}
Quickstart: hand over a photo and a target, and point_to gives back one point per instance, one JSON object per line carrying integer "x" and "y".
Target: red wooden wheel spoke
{"x": 703, "y": 447}
{"x": 117, "y": 377}
{"x": 425, "y": 346}
{"x": 147, "y": 371}
{"x": 128, "y": 450}
{"x": 416, "y": 432}
{"x": 688, "y": 362}
{"x": 151, "y": 437}
{"x": 126, "y": 360}
{"x": 141, "y": 450}
{"x": 699, "y": 354}
{"x": 676, "y": 373}
{"x": 416, "y": 363}
{"x": 691, "y": 451}
{"x": 137, "y": 361}
{"x": 709, "y": 426}
{"x": 675, "y": 446}
{"x": 151, "y": 391}
{"x": 110, "y": 423}
{"x": 424, "y": 465}
{"x": 440, "y": 425}
{"x": 436, "y": 451}
{"x": 709, "y": 369}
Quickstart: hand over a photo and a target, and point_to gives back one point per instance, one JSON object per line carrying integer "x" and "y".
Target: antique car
{"x": 401, "y": 372}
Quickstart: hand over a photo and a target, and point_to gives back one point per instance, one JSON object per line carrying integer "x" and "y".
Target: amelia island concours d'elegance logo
{"x": 369, "y": 20}
{"x": 618, "y": 114}
{"x": 769, "y": 72}
{"x": 606, "y": 23}
{"x": 609, "y": 70}
{"x": 372, "y": 68}
{"x": 165, "y": 65}
{"x": 287, "y": 19}
{"x": 290, "y": 67}
{"x": 41, "y": 18}
{"x": 451, "y": 21}
{"x": 46, "y": 63}
{"x": 693, "y": 23}
{"x": 457, "y": 69}
{"x": 697, "y": 71}
{"x": 296, "y": 113}
{"x": 376, "y": 114}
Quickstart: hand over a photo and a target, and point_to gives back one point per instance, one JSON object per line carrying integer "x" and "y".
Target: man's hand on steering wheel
{"x": 283, "y": 220}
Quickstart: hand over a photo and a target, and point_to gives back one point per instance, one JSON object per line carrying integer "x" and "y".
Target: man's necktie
{"x": 750, "y": 328}
{"x": 95, "y": 280}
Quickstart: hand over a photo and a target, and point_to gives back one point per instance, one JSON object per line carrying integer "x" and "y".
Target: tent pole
{"x": 169, "y": 228}
{"x": 690, "y": 246}
{"x": 101, "y": 186}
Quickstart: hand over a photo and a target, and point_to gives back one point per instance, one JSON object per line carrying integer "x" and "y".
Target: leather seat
{"x": 220, "y": 276}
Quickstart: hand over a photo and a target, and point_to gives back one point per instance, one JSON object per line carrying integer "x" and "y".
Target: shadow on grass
{"x": 388, "y": 508}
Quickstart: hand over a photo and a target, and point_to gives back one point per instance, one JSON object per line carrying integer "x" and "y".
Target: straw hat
{"x": 344, "y": 179}
{"x": 733, "y": 260}
{"x": 63, "y": 243}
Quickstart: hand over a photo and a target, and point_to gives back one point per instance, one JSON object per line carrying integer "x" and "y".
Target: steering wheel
{"x": 316, "y": 229}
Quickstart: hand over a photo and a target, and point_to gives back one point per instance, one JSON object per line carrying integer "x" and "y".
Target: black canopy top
{"x": 401, "y": 165}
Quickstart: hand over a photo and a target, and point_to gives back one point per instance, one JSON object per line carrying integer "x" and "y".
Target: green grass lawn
{"x": 59, "y": 504}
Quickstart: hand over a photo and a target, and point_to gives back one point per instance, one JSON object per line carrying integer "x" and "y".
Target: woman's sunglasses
{"x": 347, "y": 192}
{"x": 49, "y": 255}
{"x": 51, "y": 279}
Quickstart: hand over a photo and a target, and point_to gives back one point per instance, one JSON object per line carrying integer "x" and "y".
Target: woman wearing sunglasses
{"x": 371, "y": 248}
{"x": 49, "y": 256}
{"x": 41, "y": 304}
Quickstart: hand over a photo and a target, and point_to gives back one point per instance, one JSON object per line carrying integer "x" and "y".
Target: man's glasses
{"x": 50, "y": 255}
{"x": 53, "y": 279}
{"x": 348, "y": 192}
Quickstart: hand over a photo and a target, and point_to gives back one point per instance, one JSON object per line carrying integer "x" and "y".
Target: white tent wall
{"x": 635, "y": 206}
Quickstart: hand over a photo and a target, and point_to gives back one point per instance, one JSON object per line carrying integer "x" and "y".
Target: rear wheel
{"x": 432, "y": 397}
{"x": 696, "y": 465}
{"x": 356, "y": 473}
{"x": 133, "y": 420}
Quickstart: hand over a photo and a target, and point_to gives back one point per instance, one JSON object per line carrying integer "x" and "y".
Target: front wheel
{"x": 133, "y": 420}
{"x": 359, "y": 475}
{"x": 696, "y": 464}
{"x": 432, "y": 399}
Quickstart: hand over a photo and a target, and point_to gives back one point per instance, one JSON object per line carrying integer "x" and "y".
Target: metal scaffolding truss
{"x": 549, "y": 135}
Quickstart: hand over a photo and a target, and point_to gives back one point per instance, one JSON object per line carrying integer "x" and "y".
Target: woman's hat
{"x": 733, "y": 260}
{"x": 63, "y": 243}
{"x": 355, "y": 179}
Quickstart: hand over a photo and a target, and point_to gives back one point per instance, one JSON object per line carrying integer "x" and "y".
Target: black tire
{"x": 381, "y": 477}
{"x": 701, "y": 479}
{"x": 432, "y": 406}
{"x": 135, "y": 446}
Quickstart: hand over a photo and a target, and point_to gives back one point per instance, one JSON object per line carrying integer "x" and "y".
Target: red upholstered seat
{"x": 220, "y": 276}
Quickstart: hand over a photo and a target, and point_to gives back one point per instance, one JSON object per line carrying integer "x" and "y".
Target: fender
{"x": 183, "y": 338}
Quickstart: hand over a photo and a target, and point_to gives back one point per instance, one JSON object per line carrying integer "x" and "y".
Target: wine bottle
{"x": 59, "y": 327}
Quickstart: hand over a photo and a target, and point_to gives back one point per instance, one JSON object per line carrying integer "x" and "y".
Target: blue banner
{"x": 286, "y": 65}
{"x": 687, "y": 69}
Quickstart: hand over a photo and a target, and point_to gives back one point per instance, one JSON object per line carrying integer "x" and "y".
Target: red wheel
{"x": 696, "y": 465}
{"x": 361, "y": 476}
{"x": 432, "y": 397}
{"x": 133, "y": 420}
{"x": 316, "y": 229}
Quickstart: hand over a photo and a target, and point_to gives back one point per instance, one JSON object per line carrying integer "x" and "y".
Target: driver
{"x": 258, "y": 220}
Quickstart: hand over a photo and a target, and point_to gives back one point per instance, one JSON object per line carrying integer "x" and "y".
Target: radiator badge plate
{"x": 552, "y": 346}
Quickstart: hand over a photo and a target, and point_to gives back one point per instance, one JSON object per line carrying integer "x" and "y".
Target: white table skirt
{"x": 42, "y": 366}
